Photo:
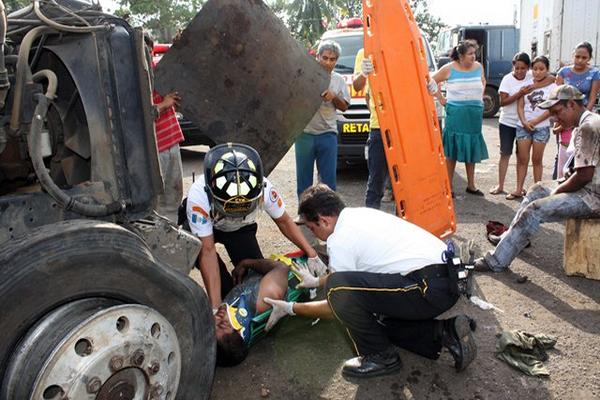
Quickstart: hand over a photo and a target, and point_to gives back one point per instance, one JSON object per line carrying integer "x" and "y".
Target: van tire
{"x": 491, "y": 102}
{"x": 81, "y": 259}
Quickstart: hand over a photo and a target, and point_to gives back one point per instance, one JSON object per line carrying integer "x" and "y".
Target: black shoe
{"x": 475, "y": 192}
{"x": 375, "y": 364}
{"x": 480, "y": 265}
{"x": 459, "y": 341}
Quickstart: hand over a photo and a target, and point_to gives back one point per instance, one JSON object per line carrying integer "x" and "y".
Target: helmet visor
{"x": 237, "y": 206}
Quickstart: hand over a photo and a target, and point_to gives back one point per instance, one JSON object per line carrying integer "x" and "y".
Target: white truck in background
{"x": 554, "y": 27}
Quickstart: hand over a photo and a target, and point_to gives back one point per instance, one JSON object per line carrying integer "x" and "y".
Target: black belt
{"x": 431, "y": 271}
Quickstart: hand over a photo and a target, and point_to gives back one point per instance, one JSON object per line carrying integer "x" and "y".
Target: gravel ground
{"x": 302, "y": 361}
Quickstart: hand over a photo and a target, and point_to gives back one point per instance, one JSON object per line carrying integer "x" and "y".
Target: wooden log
{"x": 582, "y": 248}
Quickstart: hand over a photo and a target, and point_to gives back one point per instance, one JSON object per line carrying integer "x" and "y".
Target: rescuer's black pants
{"x": 383, "y": 309}
{"x": 239, "y": 244}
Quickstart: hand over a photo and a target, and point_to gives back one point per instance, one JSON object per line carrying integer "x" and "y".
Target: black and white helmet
{"x": 234, "y": 179}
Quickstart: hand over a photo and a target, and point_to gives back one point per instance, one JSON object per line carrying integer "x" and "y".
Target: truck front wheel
{"x": 491, "y": 102}
{"x": 88, "y": 311}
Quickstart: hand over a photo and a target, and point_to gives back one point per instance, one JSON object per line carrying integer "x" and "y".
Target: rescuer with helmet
{"x": 222, "y": 207}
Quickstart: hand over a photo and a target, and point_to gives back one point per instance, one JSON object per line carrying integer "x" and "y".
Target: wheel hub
{"x": 124, "y": 385}
{"x": 122, "y": 352}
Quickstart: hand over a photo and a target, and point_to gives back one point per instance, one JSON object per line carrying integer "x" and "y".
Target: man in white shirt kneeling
{"x": 389, "y": 280}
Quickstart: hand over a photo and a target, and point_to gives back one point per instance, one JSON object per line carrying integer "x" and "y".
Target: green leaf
{"x": 162, "y": 17}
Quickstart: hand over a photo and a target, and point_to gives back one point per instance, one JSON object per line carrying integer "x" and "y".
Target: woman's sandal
{"x": 514, "y": 196}
{"x": 496, "y": 190}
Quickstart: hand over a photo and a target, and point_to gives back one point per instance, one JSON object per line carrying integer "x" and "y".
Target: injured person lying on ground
{"x": 242, "y": 317}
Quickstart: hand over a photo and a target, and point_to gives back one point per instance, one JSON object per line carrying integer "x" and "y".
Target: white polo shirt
{"x": 201, "y": 219}
{"x": 369, "y": 240}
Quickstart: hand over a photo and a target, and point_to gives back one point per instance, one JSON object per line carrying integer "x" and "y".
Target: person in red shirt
{"x": 168, "y": 137}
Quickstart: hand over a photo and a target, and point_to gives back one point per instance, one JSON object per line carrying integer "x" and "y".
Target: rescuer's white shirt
{"x": 201, "y": 219}
{"x": 369, "y": 240}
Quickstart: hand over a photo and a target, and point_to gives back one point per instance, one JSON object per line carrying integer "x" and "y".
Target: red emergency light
{"x": 354, "y": 22}
{"x": 160, "y": 48}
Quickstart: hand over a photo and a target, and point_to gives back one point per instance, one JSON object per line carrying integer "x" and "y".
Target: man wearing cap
{"x": 575, "y": 196}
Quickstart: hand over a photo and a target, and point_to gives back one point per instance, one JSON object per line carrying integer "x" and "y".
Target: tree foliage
{"x": 308, "y": 19}
{"x": 162, "y": 17}
{"x": 349, "y": 8}
{"x": 431, "y": 25}
{"x": 14, "y": 5}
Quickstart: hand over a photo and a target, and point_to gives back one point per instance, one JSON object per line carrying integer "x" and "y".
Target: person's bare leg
{"x": 502, "y": 168}
{"x": 524, "y": 148}
{"x": 537, "y": 156}
{"x": 470, "y": 168}
{"x": 450, "y": 166}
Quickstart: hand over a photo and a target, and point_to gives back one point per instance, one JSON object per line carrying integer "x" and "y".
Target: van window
{"x": 350, "y": 46}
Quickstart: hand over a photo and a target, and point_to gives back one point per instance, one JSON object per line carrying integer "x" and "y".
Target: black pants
{"x": 383, "y": 309}
{"x": 239, "y": 244}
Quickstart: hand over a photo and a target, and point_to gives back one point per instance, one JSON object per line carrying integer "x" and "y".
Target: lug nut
{"x": 137, "y": 358}
{"x": 154, "y": 368}
{"x": 116, "y": 363}
{"x": 156, "y": 391}
{"x": 94, "y": 385}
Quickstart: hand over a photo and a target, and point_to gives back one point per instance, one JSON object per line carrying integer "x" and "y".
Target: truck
{"x": 96, "y": 298}
{"x": 554, "y": 27}
{"x": 93, "y": 283}
{"x": 497, "y": 46}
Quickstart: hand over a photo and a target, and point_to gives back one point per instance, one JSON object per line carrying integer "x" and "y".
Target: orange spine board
{"x": 407, "y": 116}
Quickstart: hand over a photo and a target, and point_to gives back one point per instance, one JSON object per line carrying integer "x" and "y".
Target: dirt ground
{"x": 302, "y": 361}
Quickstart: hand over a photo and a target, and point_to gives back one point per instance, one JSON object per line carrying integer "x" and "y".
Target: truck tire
{"x": 491, "y": 102}
{"x": 63, "y": 279}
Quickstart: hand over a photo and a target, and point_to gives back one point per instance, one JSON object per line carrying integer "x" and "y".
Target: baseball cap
{"x": 562, "y": 92}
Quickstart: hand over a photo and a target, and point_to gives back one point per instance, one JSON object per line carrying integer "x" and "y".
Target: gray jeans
{"x": 172, "y": 173}
{"x": 538, "y": 207}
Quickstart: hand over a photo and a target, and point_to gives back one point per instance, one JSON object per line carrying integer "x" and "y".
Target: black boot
{"x": 375, "y": 364}
{"x": 480, "y": 265}
{"x": 459, "y": 341}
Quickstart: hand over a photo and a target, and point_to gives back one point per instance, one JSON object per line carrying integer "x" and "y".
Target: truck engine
{"x": 96, "y": 299}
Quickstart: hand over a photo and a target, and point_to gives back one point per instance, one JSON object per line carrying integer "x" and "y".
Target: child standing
{"x": 533, "y": 127}
{"x": 514, "y": 86}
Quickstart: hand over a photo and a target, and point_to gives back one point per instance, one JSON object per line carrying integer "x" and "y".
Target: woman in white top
{"x": 533, "y": 128}
{"x": 513, "y": 86}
